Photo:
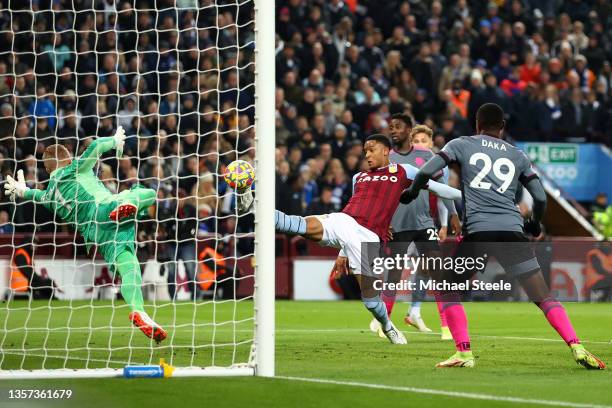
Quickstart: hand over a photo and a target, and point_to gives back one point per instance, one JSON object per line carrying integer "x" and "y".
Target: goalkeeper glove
{"x": 15, "y": 188}
{"x": 244, "y": 200}
{"x": 119, "y": 140}
{"x": 532, "y": 227}
{"x": 409, "y": 195}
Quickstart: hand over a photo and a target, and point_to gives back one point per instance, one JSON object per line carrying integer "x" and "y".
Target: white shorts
{"x": 342, "y": 231}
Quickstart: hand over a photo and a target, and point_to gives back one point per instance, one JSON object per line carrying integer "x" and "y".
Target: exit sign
{"x": 545, "y": 153}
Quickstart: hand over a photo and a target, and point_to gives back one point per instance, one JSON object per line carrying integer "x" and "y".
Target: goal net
{"x": 180, "y": 77}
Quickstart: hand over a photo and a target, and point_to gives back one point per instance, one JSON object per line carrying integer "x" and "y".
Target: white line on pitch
{"x": 456, "y": 394}
{"x": 437, "y": 334}
{"x": 221, "y": 329}
{"x": 56, "y": 357}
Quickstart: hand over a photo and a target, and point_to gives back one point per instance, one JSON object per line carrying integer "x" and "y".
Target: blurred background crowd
{"x": 71, "y": 71}
{"x": 181, "y": 82}
{"x": 344, "y": 67}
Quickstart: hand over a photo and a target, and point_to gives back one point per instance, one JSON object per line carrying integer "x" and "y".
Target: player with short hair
{"x": 422, "y": 136}
{"x": 107, "y": 220}
{"x": 365, "y": 219}
{"x": 413, "y": 223}
{"x": 491, "y": 170}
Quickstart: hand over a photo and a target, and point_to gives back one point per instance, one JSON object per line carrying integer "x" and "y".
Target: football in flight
{"x": 239, "y": 174}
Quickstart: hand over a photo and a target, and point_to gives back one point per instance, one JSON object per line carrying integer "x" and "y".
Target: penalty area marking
{"x": 455, "y": 394}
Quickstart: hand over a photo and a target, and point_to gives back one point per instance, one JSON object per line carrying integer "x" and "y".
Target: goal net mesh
{"x": 179, "y": 77}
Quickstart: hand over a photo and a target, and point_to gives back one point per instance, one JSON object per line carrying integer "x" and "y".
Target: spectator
{"x": 42, "y": 107}
{"x": 578, "y": 38}
{"x": 602, "y": 215}
{"x": 513, "y": 85}
{"x": 448, "y": 130}
{"x": 454, "y": 71}
{"x": 335, "y": 177}
{"x": 551, "y": 118}
{"x": 339, "y": 142}
{"x": 206, "y": 195}
{"x": 291, "y": 197}
{"x": 530, "y": 70}
{"x": 7, "y": 122}
{"x": 503, "y": 69}
{"x": 42, "y": 134}
{"x": 595, "y": 54}
{"x": 5, "y": 225}
{"x": 23, "y": 275}
{"x": 491, "y": 93}
{"x": 307, "y": 145}
{"x": 295, "y": 159}
{"x": 359, "y": 65}
{"x": 323, "y": 204}
{"x": 422, "y": 68}
{"x": 311, "y": 189}
{"x": 58, "y": 51}
{"x": 574, "y": 115}
{"x": 168, "y": 105}
{"x": 190, "y": 173}
{"x": 128, "y": 113}
{"x": 458, "y": 97}
{"x": 587, "y": 77}
{"x": 178, "y": 219}
{"x": 189, "y": 144}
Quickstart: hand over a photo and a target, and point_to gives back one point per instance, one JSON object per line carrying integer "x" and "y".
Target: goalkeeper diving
{"x": 106, "y": 220}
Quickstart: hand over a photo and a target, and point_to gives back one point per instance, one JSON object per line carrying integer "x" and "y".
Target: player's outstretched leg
{"x": 457, "y": 323}
{"x": 309, "y": 227}
{"x": 388, "y": 298}
{"x": 536, "y": 288}
{"x": 131, "y": 290}
{"x": 371, "y": 300}
{"x": 133, "y": 201}
{"x": 378, "y": 310}
{"x": 557, "y": 317}
{"x": 290, "y": 224}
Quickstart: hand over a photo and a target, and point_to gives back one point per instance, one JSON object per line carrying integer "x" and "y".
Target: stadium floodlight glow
{"x": 86, "y": 333}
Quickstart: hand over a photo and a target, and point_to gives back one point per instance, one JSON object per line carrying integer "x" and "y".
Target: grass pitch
{"x": 325, "y": 356}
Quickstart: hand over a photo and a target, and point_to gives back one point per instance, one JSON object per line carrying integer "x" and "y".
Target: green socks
{"x": 131, "y": 280}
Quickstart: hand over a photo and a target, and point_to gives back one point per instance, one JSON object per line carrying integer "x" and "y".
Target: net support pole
{"x": 265, "y": 189}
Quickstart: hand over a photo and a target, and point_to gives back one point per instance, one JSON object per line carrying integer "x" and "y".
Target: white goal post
{"x": 99, "y": 341}
{"x": 265, "y": 280}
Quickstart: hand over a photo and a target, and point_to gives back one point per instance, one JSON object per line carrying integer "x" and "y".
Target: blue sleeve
{"x": 411, "y": 171}
{"x": 354, "y": 181}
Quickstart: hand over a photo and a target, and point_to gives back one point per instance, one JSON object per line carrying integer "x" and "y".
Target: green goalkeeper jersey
{"x": 74, "y": 192}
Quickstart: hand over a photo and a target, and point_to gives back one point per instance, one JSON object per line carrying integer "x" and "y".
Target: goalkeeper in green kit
{"x": 107, "y": 220}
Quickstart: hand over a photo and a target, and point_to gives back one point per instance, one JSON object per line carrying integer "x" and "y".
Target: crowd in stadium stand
{"x": 182, "y": 88}
{"x": 344, "y": 67}
{"x": 75, "y": 70}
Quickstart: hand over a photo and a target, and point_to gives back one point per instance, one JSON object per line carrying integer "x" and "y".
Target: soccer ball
{"x": 239, "y": 174}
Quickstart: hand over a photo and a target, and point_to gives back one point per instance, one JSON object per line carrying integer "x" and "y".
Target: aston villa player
{"x": 365, "y": 219}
